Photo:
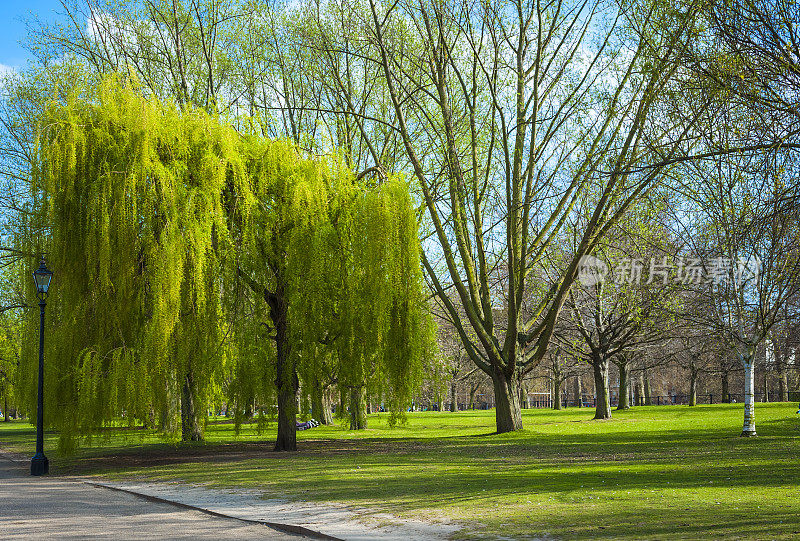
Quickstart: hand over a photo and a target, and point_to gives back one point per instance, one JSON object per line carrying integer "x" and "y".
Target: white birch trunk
{"x": 749, "y": 428}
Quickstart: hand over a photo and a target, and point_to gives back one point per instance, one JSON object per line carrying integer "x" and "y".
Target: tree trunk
{"x": 693, "y": 388}
{"x": 286, "y": 439}
{"x": 190, "y": 427}
{"x": 320, "y": 404}
{"x": 578, "y": 391}
{"x": 453, "y": 396}
{"x": 508, "y": 416}
{"x": 726, "y": 390}
{"x": 624, "y": 391}
{"x": 358, "y": 416}
{"x": 637, "y": 391}
{"x": 168, "y": 410}
{"x": 286, "y": 380}
{"x": 341, "y": 409}
{"x": 749, "y": 428}
{"x": 149, "y": 420}
{"x": 5, "y": 405}
{"x": 631, "y": 392}
{"x": 164, "y": 419}
{"x": 557, "y": 394}
{"x": 326, "y": 415}
{"x": 646, "y": 378}
{"x": 766, "y": 386}
{"x": 783, "y": 386}
{"x": 603, "y": 405}
{"x": 472, "y": 391}
{"x": 557, "y": 380}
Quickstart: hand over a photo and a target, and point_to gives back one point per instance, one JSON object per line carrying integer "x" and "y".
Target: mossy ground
{"x": 651, "y": 472}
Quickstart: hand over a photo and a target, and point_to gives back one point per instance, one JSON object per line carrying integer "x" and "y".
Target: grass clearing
{"x": 651, "y": 472}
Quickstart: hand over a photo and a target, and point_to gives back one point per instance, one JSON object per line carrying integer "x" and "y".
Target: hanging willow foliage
{"x": 129, "y": 192}
{"x": 382, "y": 302}
{"x": 332, "y": 274}
{"x": 190, "y": 258}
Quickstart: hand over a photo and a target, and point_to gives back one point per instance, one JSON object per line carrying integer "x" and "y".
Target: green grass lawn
{"x": 651, "y": 472}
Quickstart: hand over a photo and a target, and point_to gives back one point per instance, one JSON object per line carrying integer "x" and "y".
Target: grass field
{"x": 652, "y": 472}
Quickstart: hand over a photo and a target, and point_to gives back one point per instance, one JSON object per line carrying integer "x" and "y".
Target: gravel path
{"x": 95, "y": 508}
{"x": 340, "y": 522}
{"x": 56, "y": 508}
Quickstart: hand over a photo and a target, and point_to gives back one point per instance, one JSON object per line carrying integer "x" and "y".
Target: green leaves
{"x": 351, "y": 258}
{"x": 131, "y": 192}
{"x": 155, "y": 216}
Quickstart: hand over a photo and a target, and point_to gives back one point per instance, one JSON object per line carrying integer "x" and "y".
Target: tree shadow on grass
{"x": 612, "y": 444}
{"x": 617, "y": 481}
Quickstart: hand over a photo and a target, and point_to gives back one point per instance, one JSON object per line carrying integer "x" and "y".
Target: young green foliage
{"x": 189, "y": 258}
{"x": 332, "y": 274}
{"x": 128, "y": 192}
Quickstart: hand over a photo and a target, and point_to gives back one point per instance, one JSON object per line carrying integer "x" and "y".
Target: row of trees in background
{"x": 532, "y": 134}
{"x": 676, "y": 375}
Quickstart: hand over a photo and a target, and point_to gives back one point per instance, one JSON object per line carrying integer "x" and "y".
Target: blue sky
{"x": 12, "y": 27}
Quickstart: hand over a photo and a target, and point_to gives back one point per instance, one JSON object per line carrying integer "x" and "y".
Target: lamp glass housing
{"x": 42, "y": 277}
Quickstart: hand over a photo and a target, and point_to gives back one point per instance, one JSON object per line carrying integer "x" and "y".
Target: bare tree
{"x": 508, "y": 115}
{"x": 749, "y": 241}
{"x": 783, "y": 345}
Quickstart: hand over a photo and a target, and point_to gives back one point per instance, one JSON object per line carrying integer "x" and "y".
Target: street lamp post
{"x": 39, "y": 463}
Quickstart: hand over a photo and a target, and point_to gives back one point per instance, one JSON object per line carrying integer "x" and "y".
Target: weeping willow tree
{"x": 189, "y": 257}
{"x": 127, "y": 191}
{"x": 329, "y": 268}
{"x": 384, "y": 304}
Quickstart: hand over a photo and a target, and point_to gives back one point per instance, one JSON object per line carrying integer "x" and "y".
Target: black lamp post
{"x": 39, "y": 462}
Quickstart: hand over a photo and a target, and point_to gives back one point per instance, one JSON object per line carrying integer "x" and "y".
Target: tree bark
{"x": 190, "y": 427}
{"x": 320, "y": 404}
{"x": 472, "y": 391}
{"x": 453, "y": 396}
{"x": 749, "y": 427}
{"x": 358, "y": 415}
{"x": 286, "y": 380}
{"x": 578, "y": 391}
{"x": 693, "y": 388}
{"x": 766, "y": 386}
{"x": 646, "y": 378}
{"x": 169, "y": 409}
{"x": 557, "y": 393}
{"x": 508, "y": 415}
{"x": 624, "y": 391}
{"x": 249, "y": 409}
{"x": 602, "y": 403}
{"x": 165, "y": 419}
{"x": 149, "y": 420}
{"x": 326, "y": 409}
{"x": 341, "y": 409}
{"x": 286, "y": 439}
{"x": 726, "y": 390}
{"x": 783, "y": 386}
